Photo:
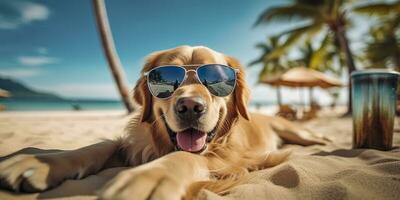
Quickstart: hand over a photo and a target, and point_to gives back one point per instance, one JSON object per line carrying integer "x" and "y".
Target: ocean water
{"x": 54, "y": 105}
{"x": 37, "y": 105}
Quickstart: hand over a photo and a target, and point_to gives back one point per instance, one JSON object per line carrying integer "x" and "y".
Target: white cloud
{"x": 19, "y": 73}
{"x": 16, "y": 13}
{"x": 34, "y": 11}
{"x": 36, "y": 60}
{"x": 85, "y": 90}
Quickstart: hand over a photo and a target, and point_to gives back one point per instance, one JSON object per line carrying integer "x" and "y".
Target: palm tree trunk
{"x": 392, "y": 39}
{"x": 310, "y": 93}
{"x": 279, "y": 95}
{"x": 396, "y": 58}
{"x": 340, "y": 35}
{"x": 109, "y": 50}
{"x": 397, "y": 62}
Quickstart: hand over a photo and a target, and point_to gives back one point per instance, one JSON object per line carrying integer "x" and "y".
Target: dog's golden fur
{"x": 244, "y": 141}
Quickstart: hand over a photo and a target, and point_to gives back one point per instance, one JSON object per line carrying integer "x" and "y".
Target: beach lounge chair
{"x": 315, "y": 106}
{"x": 310, "y": 114}
{"x": 287, "y": 112}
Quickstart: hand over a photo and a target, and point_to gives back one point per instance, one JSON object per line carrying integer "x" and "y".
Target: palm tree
{"x": 109, "y": 49}
{"x": 271, "y": 67}
{"x": 383, "y": 48}
{"x": 321, "y": 58}
{"x": 320, "y": 15}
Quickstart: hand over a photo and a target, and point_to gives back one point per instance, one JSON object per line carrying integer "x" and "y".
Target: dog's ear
{"x": 143, "y": 98}
{"x": 242, "y": 91}
{"x": 141, "y": 93}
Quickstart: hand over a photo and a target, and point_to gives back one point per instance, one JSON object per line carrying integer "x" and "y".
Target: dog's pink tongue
{"x": 191, "y": 140}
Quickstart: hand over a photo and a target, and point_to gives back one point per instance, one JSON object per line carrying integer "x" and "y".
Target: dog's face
{"x": 191, "y": 116}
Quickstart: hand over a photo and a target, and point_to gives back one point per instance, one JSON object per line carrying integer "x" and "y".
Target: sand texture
{"x": 334, "y": 171}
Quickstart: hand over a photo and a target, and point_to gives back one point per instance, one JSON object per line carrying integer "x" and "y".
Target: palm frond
{"x": 320, "y": 56}
{"x": 266, "y": 49}
{"x": 294, "y": 36}
{"x": 306, "y": 52}
{"x": 379, "y": 9}
{"x": 274, "y": 41}
{"x": 334, "y": 7}
{"x": 271, "y": 69}
{"x": 393, "y": 24}
{"x": 256, "y": 61}
{"x": 287, "y": 13}
{"x": 262, "y": 74}
{"x": 314, "y": 3}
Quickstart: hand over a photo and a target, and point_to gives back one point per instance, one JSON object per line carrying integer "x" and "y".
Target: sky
{"x": 54, "y": 45}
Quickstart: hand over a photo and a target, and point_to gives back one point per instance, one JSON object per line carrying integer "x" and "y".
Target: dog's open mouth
{"x": 191, "y": 139}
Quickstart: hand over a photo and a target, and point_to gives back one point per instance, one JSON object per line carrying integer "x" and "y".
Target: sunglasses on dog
{"x": 219, "y": 79}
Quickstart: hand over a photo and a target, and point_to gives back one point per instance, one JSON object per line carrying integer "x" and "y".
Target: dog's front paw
{"x": 27, "y": 173}
{"x": 144, "y": 183}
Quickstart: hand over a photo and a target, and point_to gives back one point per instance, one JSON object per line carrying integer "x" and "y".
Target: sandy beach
{"x": 333, "y": 171}
{"x": 58, "y": 129}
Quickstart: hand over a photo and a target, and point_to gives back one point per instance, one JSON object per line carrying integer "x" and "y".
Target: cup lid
{"x": 374, "y": 71}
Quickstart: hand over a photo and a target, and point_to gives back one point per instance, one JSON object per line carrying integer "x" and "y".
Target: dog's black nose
{"x": 190, "y": 107}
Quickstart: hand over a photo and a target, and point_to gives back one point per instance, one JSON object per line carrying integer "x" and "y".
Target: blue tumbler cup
{"x": 373, "y": 106}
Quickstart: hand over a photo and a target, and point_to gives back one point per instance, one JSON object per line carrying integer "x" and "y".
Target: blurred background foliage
{"x": 321, "y": 41}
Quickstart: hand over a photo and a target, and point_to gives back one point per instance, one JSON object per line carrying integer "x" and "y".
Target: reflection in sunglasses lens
{"x": 164, "y": 81}
{"x": 219, "y": 79}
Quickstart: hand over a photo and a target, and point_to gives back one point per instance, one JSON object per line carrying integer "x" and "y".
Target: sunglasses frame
{"x": 146, "y": 74}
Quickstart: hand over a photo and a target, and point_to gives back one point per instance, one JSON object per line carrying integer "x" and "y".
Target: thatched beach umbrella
{"x": 4, "y": 93}
{"x": 302, "y": 77}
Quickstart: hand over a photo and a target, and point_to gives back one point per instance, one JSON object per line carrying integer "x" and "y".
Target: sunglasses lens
{"x": 163, "y": 81}
{"x": 219, "y": 79}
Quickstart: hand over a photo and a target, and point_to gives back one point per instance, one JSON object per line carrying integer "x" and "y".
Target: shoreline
{"x": 267, "y": 109}
{"x": 63, "y": 113}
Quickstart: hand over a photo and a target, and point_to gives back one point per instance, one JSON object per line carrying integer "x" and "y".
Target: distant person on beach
{"x": 76, "y": 107}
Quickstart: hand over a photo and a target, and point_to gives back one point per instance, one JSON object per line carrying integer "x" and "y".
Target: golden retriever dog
{"x": 191, "y": 130}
